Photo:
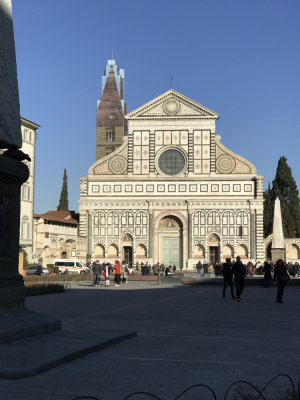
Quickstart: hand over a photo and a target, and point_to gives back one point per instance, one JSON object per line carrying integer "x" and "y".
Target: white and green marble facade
{"x": 212, "y": 207}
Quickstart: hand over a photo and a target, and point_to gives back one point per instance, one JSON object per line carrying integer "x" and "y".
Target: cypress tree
{"x": 285, "y": 188}
{"x": 63, "y": 201}
{"x": 268, "y": 212}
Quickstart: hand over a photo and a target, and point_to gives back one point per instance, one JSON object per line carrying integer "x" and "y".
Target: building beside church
{"x": 111, "y": 124}
{"x": 56, "y": 232}
{"x": 172, "y": 192}
{"x": 29, "y": 134}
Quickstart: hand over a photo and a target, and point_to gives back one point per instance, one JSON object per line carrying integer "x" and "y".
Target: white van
{"x": 70, "y": 267}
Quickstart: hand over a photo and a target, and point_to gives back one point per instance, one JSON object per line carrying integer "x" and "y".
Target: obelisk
{"x": 16, "y": 320}
{"x": 278, "y": 249}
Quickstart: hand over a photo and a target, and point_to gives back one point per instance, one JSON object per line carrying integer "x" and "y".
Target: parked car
{"x": 33, "y": 270}
{"x": 70, "y": 267}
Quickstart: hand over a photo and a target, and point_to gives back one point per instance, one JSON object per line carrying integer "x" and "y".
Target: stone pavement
{"x": 185, "y": 336}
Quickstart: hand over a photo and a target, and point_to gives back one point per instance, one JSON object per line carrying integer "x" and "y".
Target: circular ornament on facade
{"x": 118, "y": 165}
{"x": 225, "y": 164}
{"x": 112, "y": 116}
{"x": 171, "y": 107}
{"x": 171, "y": 162}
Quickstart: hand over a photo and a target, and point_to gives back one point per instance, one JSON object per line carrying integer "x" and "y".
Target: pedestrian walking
{"x": 205, "y": 268}
{"x": 97, "y": 271}
{"x": 106, "y": 274}
{"x": 199, "y": 267}
{"x": 117, "y": 273}
{"x": 250, "y": 269}
{"x": 161, "y": 270}
{"x": 281, "y": 277}
{"x": 238, "y": 270}
{"x": 156, "y": 268}
{"x": 124, "y": 272}
{"x": 267, "y": 274}
{"x": 39, "y": 270}
{"x": 227, "y": 275}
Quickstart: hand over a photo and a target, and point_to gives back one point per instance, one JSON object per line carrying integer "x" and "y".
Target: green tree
{"x": 63, "y": 201}
{"x": 268, "y": 212}
{"x": 285, "y": 188}
{"x": 25, "y": 260}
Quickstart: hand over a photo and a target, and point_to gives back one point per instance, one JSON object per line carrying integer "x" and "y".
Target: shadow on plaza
{"x": 148, "y": 299}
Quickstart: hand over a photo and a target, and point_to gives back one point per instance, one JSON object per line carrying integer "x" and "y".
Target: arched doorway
{"x": 170, "y": 238}
{"x": 127, "y": 244}
{"x": 214, "y": 249}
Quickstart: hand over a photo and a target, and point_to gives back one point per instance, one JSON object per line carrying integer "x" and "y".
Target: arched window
{"x": 213, "y": 218}
{"x": 199, "y": 224}
{"x": 99, "y": 223}
{"x": 127, "y": 219}
{"x": 228, "y": 223}
{"x": 25, "y": 228}
{"x": 242, "y": 224}
{"x": 141, "y": 223}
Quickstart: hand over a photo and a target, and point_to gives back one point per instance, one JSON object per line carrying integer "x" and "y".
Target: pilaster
{"x": 130, "y": 152}
{"x": 150, "y": 230}
{"x": 259, "y": 187}
{"x": 252, "y": 235}
{"x": 260, "y": 252}
{"x": 152, "y": 152}
{"x": 191, "y": 152}
{"x": 256, "y": 229}
{"x": 212, "y": 152}
{"x": 89, "y": 235}
{"x": 190, "y": 233}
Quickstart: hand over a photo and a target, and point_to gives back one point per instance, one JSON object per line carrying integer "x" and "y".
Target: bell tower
{"x": 111, "y": 124}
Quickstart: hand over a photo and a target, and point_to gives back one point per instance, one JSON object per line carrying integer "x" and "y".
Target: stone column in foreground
{"x": 16, "y": 320}
{"x": 10, "y": 123}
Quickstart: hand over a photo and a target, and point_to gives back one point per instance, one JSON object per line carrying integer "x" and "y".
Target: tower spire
{"x": 111, "y": 125}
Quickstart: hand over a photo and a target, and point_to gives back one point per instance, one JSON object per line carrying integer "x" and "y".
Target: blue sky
{"x": 239, "y": 58}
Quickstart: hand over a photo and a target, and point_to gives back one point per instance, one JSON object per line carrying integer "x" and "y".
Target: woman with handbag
{"x": 281, "y": 276}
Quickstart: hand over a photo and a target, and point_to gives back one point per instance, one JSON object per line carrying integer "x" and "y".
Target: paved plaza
{"x": 185, "y": 336}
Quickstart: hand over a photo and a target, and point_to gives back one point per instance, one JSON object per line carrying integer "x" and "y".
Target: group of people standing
{"x": 106, "y": 269}
{"x": 162, "y": 270}
{"x": 202, "y": 269}
{"x": 238, "y": 271}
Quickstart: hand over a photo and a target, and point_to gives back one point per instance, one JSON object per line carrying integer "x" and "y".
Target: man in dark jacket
{"x": 227, "y": 274}
{"x": 239, "y": 275}
{"x": 97, "y": 271}
{"x": 39, "y": 270}
{"x": 281, "y": 276}
{"x": 199, "y": 267}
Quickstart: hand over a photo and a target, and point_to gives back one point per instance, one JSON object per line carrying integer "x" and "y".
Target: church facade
{"x": 172, "y": 192}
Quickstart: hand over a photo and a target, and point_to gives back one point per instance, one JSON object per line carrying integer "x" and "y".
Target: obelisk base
{"x": 277, "y": 254}
{"x": 16, "y": 320}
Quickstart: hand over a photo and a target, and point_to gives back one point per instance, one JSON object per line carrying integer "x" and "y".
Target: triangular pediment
{"x": 172, "y": 104}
